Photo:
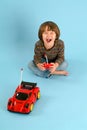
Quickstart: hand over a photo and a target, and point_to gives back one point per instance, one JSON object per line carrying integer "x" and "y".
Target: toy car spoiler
{"x": 28, "y": 85}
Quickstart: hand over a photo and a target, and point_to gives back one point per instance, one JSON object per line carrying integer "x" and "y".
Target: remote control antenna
{"x": 46, "y": 58}
{"x": 21, "y": 75}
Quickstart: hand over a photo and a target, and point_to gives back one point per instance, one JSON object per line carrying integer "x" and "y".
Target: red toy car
{"x": 24, "y": 98}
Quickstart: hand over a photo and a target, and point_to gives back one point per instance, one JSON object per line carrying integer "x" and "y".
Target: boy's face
{"x": 48, "y": 37}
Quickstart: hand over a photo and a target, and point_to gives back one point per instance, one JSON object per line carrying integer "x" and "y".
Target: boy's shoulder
{"x": 38, "y": 43}
{"x": 60, "y": 41}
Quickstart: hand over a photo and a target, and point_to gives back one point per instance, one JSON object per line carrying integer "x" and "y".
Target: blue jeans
{"x": 45, "y": 73}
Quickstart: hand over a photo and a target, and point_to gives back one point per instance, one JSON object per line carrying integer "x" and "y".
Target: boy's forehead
{"x": 48, "y": 28}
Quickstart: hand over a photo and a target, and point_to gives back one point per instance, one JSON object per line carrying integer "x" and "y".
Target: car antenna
{"x": 21, "y": 75}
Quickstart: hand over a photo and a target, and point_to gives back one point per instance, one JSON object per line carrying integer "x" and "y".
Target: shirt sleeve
{"x": 60, "y": 57}
{"x": 37, "y": 53}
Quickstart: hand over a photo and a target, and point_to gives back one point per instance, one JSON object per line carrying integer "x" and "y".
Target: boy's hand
{"x": 47, "y": 65}
{"x": 53, "y": 67}
{"x": 40, "y": 66}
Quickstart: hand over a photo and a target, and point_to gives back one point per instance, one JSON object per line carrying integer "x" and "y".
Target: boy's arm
{"x": 60, "y": 57}
{"x": 37, "y": 54}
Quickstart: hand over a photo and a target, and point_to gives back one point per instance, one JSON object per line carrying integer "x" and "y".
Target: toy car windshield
{"x": 21, "y": 96}
{"x": 28, "y": 85}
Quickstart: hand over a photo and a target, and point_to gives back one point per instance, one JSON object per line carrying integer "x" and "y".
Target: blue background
{"x": 63, "y": 102}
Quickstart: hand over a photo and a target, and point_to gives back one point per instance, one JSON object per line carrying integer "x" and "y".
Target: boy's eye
{"x": 46, "y": 33}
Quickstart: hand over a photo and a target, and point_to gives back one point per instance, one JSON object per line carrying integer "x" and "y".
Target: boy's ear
{"x": 56, "y": 38}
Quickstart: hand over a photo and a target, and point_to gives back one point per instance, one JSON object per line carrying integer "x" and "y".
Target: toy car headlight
{"x": 9, "y": 103}
{"x": 27, "y": 105}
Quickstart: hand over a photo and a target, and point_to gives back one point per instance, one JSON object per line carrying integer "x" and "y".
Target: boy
{"x": 49, "y": 49}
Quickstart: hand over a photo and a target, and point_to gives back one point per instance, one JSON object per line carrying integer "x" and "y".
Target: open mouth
{"x": 48, "y": 40}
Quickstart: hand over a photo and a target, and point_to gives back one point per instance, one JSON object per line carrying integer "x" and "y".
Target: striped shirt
{"x": 55, "y": 54}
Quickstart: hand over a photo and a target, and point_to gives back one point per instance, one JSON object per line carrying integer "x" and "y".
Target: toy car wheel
{"x": 31, "y": 107}
{"x": 38, "y": 95}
